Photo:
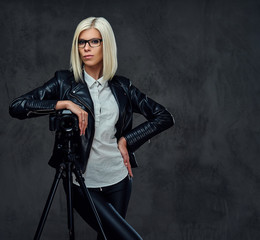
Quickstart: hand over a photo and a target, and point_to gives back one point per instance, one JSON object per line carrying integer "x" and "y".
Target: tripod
{"x": 65, "y": 170}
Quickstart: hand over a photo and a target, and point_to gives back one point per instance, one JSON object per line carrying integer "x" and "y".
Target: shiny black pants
{"x": 111, "y": 203}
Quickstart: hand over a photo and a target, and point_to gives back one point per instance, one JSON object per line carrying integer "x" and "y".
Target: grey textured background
{"x": 199, "y": 180}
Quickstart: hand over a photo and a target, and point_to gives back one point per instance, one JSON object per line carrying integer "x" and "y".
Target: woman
{"x": 104, "y": 104}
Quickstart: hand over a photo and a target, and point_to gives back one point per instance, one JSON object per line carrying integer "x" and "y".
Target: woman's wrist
{"x": 123, "y": 141}
{"x": 63, "y": 104}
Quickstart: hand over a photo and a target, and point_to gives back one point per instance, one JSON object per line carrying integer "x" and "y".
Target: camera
{"x": 63, "y": 121}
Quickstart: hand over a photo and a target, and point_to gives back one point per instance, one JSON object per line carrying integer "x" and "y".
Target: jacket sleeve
{"x": 158, "y": 119}
{"x": 37, "y": 102}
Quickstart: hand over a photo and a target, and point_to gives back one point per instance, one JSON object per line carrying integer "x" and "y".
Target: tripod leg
{"x": 69, "y": 201}
{"x": 49, "y": 202}
{"x": 80, "y": 180}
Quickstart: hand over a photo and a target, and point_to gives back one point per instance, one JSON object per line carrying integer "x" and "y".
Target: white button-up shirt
{"x": 105, "y": 164}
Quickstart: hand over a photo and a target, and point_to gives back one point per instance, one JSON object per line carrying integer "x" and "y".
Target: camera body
{"x": 63, "y": 121}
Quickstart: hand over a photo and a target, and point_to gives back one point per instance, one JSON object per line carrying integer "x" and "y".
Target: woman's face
{"x": 92, "y": 57}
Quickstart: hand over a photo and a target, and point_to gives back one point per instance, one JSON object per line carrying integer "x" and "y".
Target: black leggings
{"x": 111, "y": 203}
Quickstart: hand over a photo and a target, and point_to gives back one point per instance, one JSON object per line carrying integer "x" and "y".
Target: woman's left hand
{"x": 122, "y": 146}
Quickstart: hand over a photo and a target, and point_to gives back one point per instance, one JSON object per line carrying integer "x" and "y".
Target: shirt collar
{"x": 91, "y": 81}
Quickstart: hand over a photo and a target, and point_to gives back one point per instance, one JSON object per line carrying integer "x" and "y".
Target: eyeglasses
{"x": 94, "y": 42}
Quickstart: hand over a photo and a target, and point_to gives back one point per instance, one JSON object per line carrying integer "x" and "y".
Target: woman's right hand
{"x": 77, "y": 110}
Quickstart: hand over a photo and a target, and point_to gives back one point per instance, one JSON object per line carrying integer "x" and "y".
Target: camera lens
{"x": 67, "y": 123}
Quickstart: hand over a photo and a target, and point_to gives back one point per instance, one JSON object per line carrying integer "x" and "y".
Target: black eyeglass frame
{"x": 88, "y": 41}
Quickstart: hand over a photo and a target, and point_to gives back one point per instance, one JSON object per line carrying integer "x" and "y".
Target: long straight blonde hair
{"x": 109, "y": 48}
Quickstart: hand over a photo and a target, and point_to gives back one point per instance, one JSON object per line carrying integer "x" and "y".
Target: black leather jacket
{"x": 62, "y": 86}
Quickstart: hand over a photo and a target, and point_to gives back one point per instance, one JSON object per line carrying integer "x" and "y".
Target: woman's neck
{"x": 95, "y": 72}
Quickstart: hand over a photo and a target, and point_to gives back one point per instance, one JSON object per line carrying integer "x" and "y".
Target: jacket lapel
{"x": 81, "y": 92}
{"x": 121, "y": 98}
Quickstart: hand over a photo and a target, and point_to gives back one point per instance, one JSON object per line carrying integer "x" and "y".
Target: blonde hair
{"x": 109, "y": 47}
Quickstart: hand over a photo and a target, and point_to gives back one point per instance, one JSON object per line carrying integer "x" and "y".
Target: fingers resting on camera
{"x": 83, "y": 121}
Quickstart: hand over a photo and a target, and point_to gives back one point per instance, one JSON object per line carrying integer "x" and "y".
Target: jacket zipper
{"x": 83, "y": 104}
